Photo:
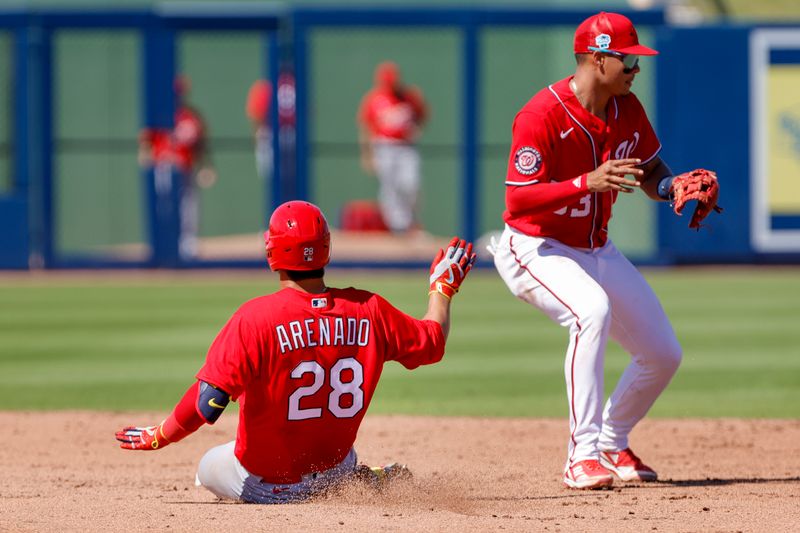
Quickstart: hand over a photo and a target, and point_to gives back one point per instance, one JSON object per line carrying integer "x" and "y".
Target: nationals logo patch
{"x": 527, "y": 160}
{"x": 603, "y": 41}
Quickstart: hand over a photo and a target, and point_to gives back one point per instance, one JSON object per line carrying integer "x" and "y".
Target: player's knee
{"x": 217, "y": 472}
{"x": 596, "y": 314}
{"x": 201, "y": 477}
{"x": 668, "y": 356}
{"x": 209, "y": 463}
{"x": 674, "y": 356}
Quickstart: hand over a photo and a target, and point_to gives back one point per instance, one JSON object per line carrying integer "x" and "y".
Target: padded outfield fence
{"x": 82, "y": 85}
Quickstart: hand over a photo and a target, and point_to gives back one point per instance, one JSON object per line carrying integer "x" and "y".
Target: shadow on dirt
{"x": 715, "y": 482}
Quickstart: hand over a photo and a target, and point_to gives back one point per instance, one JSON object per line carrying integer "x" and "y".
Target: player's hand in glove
{"x": 700, "y": 185}
{"x": 142, "y": 438}
{"x": 449, "y": 268}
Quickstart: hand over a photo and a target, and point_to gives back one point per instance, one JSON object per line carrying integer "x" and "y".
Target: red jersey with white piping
{"x": 556, "y": 140}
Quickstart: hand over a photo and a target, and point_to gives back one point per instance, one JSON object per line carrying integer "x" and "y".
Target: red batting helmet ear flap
{"x": 298, "y": 237}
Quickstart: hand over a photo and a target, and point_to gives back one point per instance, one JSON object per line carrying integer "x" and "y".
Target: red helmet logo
{"x": 298, "y": 237}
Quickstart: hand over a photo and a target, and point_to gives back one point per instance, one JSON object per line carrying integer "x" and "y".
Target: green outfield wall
{"x": 99, "y": 195}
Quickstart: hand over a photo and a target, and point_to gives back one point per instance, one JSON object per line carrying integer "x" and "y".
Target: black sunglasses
{"x": 629, "y": 61}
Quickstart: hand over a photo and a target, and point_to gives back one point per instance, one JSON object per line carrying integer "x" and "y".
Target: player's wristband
{"x": 172, "y": 431}
{"x": 444, "y": 289}
{"x": 664, "y": 187}
{"x": 161, "y": 431}
{"x": 432, "y": 291}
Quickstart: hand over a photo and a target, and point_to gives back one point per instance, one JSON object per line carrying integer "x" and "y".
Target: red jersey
{"x": 393, "y": 117}
{"x": 188, "y": 137}
{"x": 183, "y": 144}
{"x": 304, "y": 368}
{"x": 555, "y": 139}
{"x": 258, "y": 100}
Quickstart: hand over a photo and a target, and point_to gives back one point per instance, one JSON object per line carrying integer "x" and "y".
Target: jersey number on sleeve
{"x": 340, "y": 388}
{"x": 586, "y": 207}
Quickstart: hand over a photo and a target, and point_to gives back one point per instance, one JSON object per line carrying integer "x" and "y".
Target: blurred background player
{"x": 390, "y": 119}
{"x": 185, "y": 149}
{"x": 257, "y": 110}
{"x": 572, "y": 146}
{"x": 304, "y": 363}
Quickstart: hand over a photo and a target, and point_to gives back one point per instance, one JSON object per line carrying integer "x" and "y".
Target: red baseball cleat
{"x": 588, "y": 474}
{"x": 626, "y": 466}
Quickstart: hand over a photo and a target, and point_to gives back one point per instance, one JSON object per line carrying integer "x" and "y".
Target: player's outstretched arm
{"x": 201, "y": 404}
{"x": 448, "y": 270}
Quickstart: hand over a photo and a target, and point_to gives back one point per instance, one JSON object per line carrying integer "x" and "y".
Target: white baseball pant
{"x": 595, "y": 293}
{"x": 189, "y": 217}
{"x": 398, "y": 168}
{"x": 221, "y": 472}
{"x": 264, "y": 155}
{"x": 189, "y": 208}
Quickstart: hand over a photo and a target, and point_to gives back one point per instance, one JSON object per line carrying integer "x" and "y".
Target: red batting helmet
{"x": 298, "y": 237}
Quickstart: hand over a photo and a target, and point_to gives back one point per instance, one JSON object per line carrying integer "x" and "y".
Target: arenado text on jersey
{"x": 313, "y": 332}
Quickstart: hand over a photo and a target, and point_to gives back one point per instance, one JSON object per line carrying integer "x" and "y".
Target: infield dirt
{"x": 62, "y": 471}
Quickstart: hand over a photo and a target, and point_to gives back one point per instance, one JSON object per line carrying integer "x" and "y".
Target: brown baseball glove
{"x": 700, "y": 185}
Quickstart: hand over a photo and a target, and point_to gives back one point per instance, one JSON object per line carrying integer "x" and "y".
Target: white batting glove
{"x": 449, "y": 268}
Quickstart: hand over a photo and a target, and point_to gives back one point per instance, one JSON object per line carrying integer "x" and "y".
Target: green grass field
{"x": 134, "y": 343}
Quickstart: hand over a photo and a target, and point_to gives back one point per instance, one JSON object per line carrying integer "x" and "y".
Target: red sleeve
{"x": 530, "y": 187}
{"x": 146, "y": 136}
{"x": 234, "y": 357}
{"x": 417, "y": 101}
{"x": 409, "y": 341}
{"x": 544, "y": 197}
{"x": 531, "y": 156}
{"x": 364, "y": 116}
{"x": 184, "y": 419}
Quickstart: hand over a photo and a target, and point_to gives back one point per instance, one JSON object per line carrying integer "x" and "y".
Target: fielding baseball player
{"x": 390, "y": 118}
{"x": 573, "y": 145}
{"x": 257, "y": 110}
{"x": 184, "y": 148}
{"x": 303, "y": 364}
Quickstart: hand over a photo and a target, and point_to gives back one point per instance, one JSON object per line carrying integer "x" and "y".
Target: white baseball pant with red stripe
{"x": 595, "y": 293}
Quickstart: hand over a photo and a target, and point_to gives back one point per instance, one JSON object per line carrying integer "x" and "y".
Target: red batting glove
{"x": 142, "y": 438}
{"x": 449, "y": 268}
